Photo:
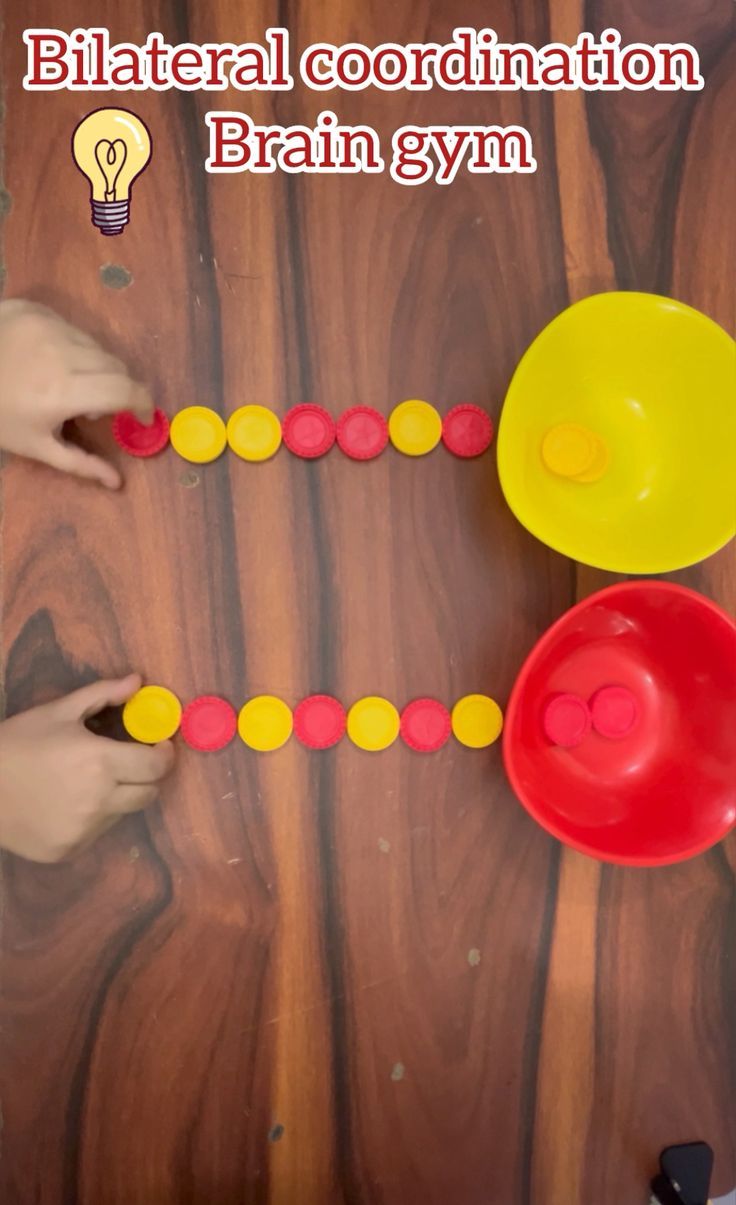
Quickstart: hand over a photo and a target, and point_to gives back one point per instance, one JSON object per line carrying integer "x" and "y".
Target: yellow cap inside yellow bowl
{"x": 617, "y": 440}
{"x": 574, "y": 452}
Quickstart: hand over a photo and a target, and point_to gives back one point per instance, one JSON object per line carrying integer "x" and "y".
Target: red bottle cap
{"x": 566, "y": 720}
{"x": 208, "y": 723}
{"x": 467, "y": 430}
{"x": 425, "y": 725}
{"x": 138, "y": 440}
{"x": 308, "y": 430}
{"x": 614, "y": 711}
{"x": 362, "y": 433}
{"x": 319, "y": 721}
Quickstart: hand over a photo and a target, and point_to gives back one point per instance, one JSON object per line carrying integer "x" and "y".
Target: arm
{"x": 61, "y": 786}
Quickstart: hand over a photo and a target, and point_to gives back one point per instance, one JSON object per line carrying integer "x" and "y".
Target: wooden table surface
{"x": 342, "y": 978}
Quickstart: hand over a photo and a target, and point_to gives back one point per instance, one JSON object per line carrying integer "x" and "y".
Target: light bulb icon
{"x": 111, "y": 147}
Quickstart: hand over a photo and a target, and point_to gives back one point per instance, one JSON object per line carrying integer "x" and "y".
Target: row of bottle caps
{"x": 266, "y": 722}
{"x": 255, "y": 433}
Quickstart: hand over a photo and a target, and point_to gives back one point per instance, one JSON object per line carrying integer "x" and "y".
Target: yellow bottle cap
{"x": 599, "y": 464}
{"x": 373, "y": 723}
{"x": 265, "y": 723}
{"x": 572, "y": 451}
{"x": 198, "y": 434}
{"x": 254, "y": 433}
{"x": 415, "y": 428}
{"x": 477, "y": 721}
{"x": 152, "y": 714}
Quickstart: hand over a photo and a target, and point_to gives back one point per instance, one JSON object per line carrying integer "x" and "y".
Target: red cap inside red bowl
{"x": 655, "y": 780}
{"x": 566, "y": 720}
{"x": 614, "y": 712}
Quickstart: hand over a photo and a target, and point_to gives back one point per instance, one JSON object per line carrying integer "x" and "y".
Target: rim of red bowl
{"x": 513, "y": 704}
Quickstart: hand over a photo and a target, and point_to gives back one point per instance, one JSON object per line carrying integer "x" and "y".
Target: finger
{"x": 109, "y": 393}
{"x": 101, "y": 392}
{"x": 86, "y": 358}
{"x": 78, "y": 337}
{"x": 140, "y": 402}
{"x": 10, "y": 307}
{"x": 139, "y": 764}
{"x": 130, "y": 798}
{"x": 88, "y": 700}
{"x": 70, "y": 459}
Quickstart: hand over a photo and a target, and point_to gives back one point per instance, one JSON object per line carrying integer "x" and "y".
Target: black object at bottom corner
{"x": 685, "y": 1175}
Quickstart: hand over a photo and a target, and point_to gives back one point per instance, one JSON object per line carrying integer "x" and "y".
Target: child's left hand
{"x": 51, "y": 372}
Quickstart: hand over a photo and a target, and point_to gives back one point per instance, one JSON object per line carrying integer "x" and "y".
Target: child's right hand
{"x": 51, "y": 372}
{"x": 60, "y": 785}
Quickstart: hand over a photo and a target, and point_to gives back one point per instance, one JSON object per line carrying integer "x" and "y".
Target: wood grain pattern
{"x": 261, "y": 993}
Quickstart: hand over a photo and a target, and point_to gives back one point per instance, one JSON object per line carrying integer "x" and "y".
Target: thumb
{"x": 71, "y": 459}
{"x": 87, "y": 701}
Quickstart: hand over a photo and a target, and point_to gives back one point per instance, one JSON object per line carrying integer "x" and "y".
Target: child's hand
{"x": 50, "y": 373}
{"x": 61, "y": 786}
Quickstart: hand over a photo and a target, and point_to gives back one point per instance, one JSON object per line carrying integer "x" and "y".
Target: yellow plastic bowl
{"x": 617, "y": 440}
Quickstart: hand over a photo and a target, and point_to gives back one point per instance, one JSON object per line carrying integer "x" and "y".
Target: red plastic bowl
{"x": 665, "y": 792}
